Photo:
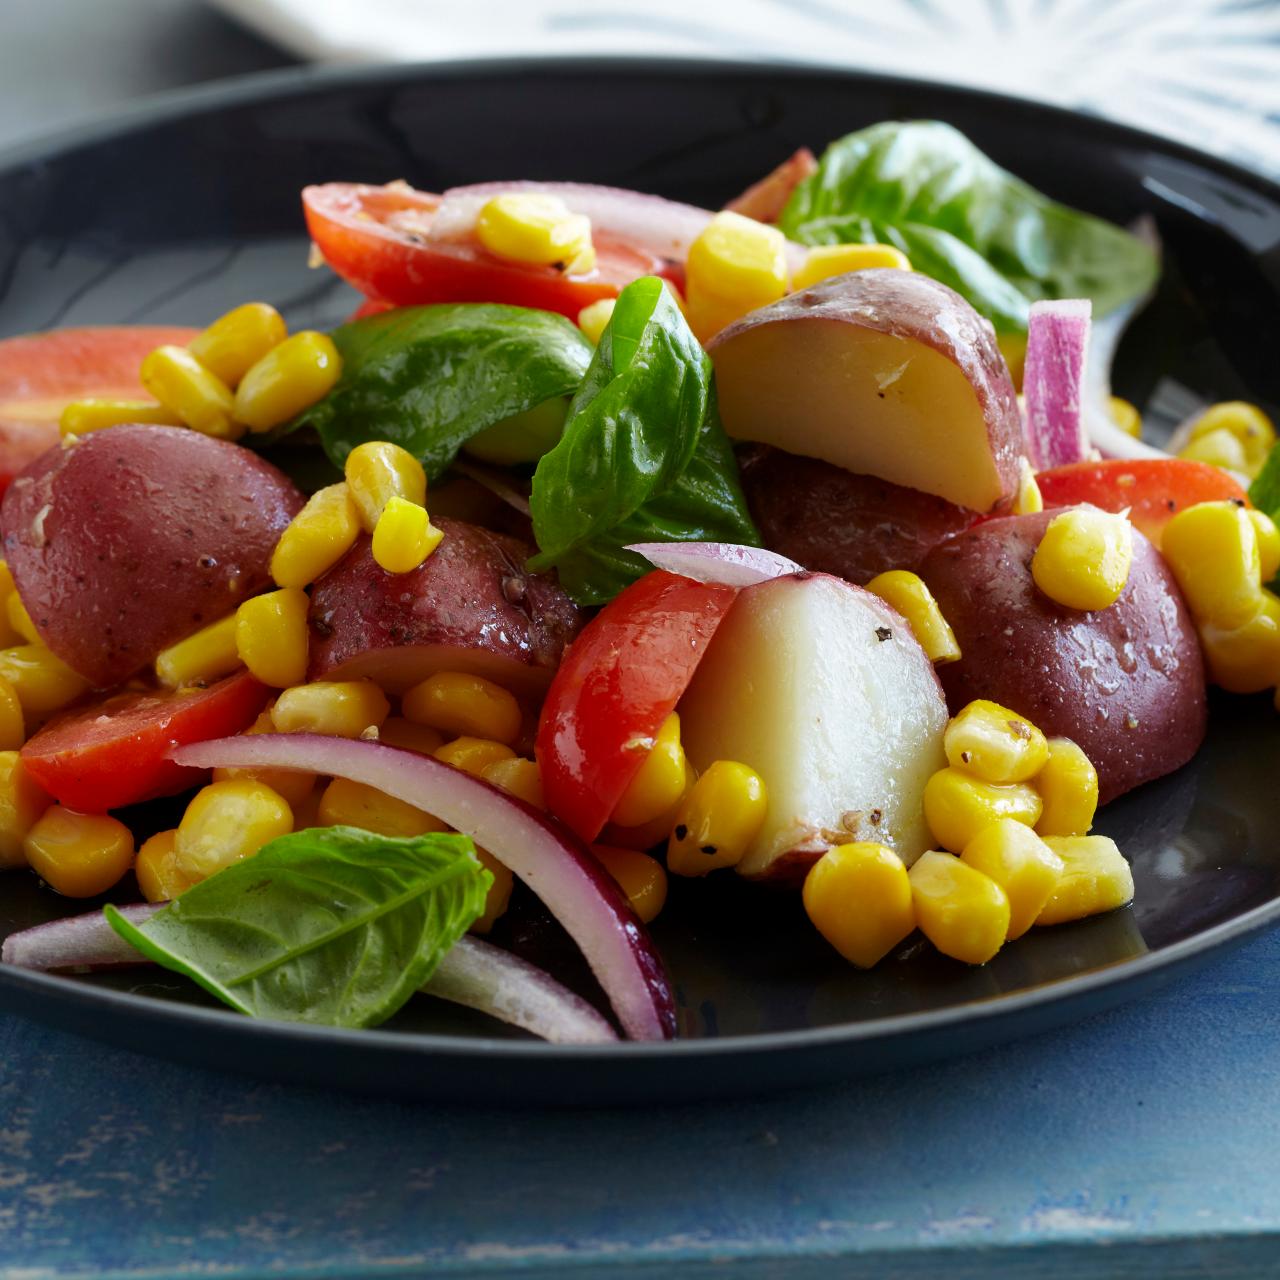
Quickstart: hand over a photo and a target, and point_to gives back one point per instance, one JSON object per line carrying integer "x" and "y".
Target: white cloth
{"x": 1204, "y": 71}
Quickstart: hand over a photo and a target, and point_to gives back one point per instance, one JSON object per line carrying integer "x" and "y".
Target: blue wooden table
{"x": 1144, "y": 1142}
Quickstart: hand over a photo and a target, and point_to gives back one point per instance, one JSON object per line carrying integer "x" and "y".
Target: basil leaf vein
{"x": 925, "y": 188}
{"x": 331, "y": 925}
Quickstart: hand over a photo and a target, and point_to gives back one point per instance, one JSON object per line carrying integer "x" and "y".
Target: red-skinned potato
{"x": 1126, "y": 683}
{"x": 832, "y": 521}
{"x": 885, "y": 373}
{"x": 470, "y": 606}
{"x": 136, "y": 536}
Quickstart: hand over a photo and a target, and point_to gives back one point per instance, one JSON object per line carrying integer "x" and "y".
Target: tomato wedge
{"x": 618, "y": 682}
{"x": 116, "y": 752}
{"x": 40, "y": 373}
{"x": 376, "y": 238}
{"x": 1154, "y": 489}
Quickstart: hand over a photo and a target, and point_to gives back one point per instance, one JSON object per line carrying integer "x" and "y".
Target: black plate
{"x": 176, "y": 211}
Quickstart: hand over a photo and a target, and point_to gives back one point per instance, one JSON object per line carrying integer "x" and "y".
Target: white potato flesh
{"x": 822, "y": 689}
{"x": 874, "y": 403}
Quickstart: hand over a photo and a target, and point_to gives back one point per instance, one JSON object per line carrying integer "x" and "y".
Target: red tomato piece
{"x": 1154, "y": 489}
{"x": 375, "y": 238}
{"x": 41, "y": 373}
{"x": 618, "y": 682}
{"x": 116, "y": 752}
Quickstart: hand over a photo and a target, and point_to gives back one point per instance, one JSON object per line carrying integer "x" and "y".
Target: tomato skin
{"x": 93, "y": 767}
{"x": 618, "y": 682}
{"x": 40, "y": 373}
{"x": 349, "y": 223}
{"x": 1154, "y": 489}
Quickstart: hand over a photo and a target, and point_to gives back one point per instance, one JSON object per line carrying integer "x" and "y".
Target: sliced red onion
{"x": 1052, "y": 382}
{"x": 728, "y": 563}
{"x": 548, "y": 858}
{"x": 80, "y": 942}
{"x": 664, "y": 227}
{"x": 472, "y": 973}
{"x": 484, "y": 977}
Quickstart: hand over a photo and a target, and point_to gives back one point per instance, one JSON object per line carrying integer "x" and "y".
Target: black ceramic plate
{"x": 177, "y": 211}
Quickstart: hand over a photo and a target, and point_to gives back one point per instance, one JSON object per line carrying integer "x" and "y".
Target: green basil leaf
{"x": 643, "y": 457}
{"x": 1264, "y": 492}
{"x": 925, "y": 188}
{"x": 430, "y": 378}
{"x": 330, "y": 925}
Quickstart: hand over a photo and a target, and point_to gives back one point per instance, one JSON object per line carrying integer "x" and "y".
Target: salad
{"x": 613, "y": 542}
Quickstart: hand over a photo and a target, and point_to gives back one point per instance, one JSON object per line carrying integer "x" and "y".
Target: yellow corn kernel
{"x": 660, "y": 781}
{"x": 81, "y": 417}
{"x": 1068, "y": 786}
{"x": 540, "y": 229}
{"x": 827, "y": 260}
{"x": 20, "y": 619}
{"x": 42, "y": 681}
{"x": 734, "y": 266}
{"x": 717, "y": 821}
{"x": 288, "y": 379}
{"x": 1125, "y": 416}
{"x": 1212, "y": 550}
{"x": 294, "y": 784}
{"x": 657, "y": 831}
{"x": 1219, "y": 448}
{"x": 316, "y": 538}
{"x": 1084, "y": 557}
{"x": 464, "y": 705}
{"x": 1245, "y": 659}
{"x": 81, "y": 855}
{"x": 271, "y": 636}
{"x": 155, "y": 869}
{"x": 639, "y": 876}
{"x": 225, "y": 822}
{"x": 1096, "y": 877}
{"x": 593, "y": 320}
{"x": 1246, "y": 422}
{"x": 396, "y": 731}
{"x": 404, "y": 536}
{"x": 963, "y": 912}
{"x": 517, "y": 777}
{"x": 858, "y": 896}
{"x": 13, "y": 725}
{"x": 8, "y": 636}
{"x": 22, "y": 801}
{"x": 995, "y": 744}
{"x": 379, "y": 471}
{"x": 1268, "y": 543}
{"x": 473, "y": 755}
{"x": 235, "y": 342}
{"x": 1028, "y": 499}
{"x": 202, "y": 658}
{"x": 353, "y": 804}
{"x": 906, "y": 592}
{"x": 200, "y": 398}
{"x": 339, "y": 708}
{"x": 957, "y": 806}
{"x": 499, "y": 895}
{"x": 1021, "y": 863}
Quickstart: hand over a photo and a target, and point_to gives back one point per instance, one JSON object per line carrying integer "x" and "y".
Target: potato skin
{"x": 906, "y": 304}
{"x": 471, "y": 605}
{"x": 1125, "y": 683}
{"x": 138, "y": 535}
{"x": 833, "y": 521}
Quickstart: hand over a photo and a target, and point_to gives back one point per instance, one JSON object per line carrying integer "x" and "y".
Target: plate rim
{"x": 174, "y": 106}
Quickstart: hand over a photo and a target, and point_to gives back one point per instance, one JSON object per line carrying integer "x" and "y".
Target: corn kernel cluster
{"x": 1221, "y": 553}
{"x": 1012, "y": 809}
{"x": 1234, "y": 435}
{"x": 243, "y": 373}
